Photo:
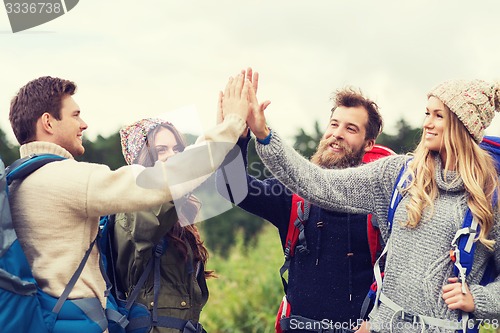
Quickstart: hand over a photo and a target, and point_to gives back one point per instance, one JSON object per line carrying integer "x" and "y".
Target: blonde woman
{"x": 449, "y": 173}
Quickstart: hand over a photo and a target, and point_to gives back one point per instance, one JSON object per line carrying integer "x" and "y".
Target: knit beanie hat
{"x": 474, "y": 102}
{"x": 133, "y": 137}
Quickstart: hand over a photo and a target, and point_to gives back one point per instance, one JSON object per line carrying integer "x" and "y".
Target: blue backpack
{"x": 25, "y": 308}
{"x": 123, "y": 316}
{"x": 20, "y": 294}
{"x": 464, "y": 244}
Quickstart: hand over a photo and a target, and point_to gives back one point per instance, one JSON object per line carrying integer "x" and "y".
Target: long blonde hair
{"x": 473, "y": 165}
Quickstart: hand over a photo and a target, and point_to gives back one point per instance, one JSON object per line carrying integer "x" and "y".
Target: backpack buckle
{"x": 408, "y": 317}
{"x": 191, "y": 327}
{"x": 453, "y": 257}
{"x": 472, "y": 231}
{"x": 286, "y": 251}
{"x": 158, "y": 250}
{"x": 302, "y": 249}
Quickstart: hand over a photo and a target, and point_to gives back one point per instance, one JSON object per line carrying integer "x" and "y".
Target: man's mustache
{"x": 333, "y": 140}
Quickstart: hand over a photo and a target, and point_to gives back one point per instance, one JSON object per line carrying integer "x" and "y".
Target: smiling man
{"x": 56, "y": 209}
{"x": 328, "y": 281}
{"x": 351, "y": 132}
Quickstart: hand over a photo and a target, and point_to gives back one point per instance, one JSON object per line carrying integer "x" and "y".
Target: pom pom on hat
{"x": 133, "y": 137}
{"x": 474, "y": 102}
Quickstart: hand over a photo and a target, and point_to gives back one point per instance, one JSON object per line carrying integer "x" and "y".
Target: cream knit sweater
{"x": 56, "y": 209}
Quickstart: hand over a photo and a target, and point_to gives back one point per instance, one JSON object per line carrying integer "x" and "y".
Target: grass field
{"x": 247, "y": 294}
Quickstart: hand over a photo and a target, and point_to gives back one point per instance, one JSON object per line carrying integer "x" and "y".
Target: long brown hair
{"x": 181, "y": 237}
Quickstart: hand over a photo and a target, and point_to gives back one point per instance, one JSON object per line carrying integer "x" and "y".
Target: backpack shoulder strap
{"x": 464, "y": 246}
{"x": 492, "y": 145}
{"x": 153, "y": 265}
{"x": 462, "y": 255}
{"x": 464, "y": 243}
{"x": 107, "y": 262}
{"x": 23, "y": 167}
{"x": 74, "y": 278}
{"x": 299, "y": 214}
{"x": 396, "y": 196}
{"x": 122, "y": 313}
{"x": 374, "y": 238}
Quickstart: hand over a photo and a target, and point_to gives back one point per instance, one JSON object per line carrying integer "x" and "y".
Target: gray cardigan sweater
{"x": 418, "y": 263}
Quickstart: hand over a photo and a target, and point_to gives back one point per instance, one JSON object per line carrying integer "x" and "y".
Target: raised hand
{"x": 235, "y": 98}
{"x": 220, "y": 114}
{"x": 252, "y": 77}
{"x": 255, "y": 115}
{"x": 256, "y": 119}
{"x": 220, "y": 111}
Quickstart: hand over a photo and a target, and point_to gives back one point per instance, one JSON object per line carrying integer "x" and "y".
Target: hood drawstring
{"x": 319, "y": 225}
{"x": 350, "y": 254}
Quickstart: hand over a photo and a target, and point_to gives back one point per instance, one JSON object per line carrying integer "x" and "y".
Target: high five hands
{"x": 241, "y": 92}
{"x": 235, "y": 98}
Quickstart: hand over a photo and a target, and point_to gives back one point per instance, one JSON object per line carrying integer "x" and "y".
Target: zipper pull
{"x": 319, "y": 225}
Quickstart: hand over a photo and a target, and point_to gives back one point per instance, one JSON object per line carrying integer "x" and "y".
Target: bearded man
{"x": 329, "y": 277}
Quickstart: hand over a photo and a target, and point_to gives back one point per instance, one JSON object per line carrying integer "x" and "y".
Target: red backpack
{"x": 298, "y": 217}
{"x": 374, "y": 238}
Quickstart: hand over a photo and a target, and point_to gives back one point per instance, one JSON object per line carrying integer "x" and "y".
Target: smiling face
{"x": 436, "y": 120}
{"x": 68, "y": 131}
{"x": 166, "y": 144}
{"x": 344, "y": 142}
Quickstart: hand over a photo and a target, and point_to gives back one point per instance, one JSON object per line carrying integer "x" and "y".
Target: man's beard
{"x": 330, "y": 160}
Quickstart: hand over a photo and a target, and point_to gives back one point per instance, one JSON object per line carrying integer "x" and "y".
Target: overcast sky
{"x": 135, "y": 59}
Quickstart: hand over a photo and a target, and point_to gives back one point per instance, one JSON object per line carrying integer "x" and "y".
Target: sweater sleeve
{"x": 359, "y": 190}
{"x": 268, "y": 198}
{"x": 134, "y": 188}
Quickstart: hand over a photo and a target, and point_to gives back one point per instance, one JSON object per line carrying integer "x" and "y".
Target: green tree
{"x": 104, "y": 150}
{"x": 8, "y": 152}
{"x": 306, "y": 143}
{"x": 219, "y": 233}
{"x": 405, "y": 140}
